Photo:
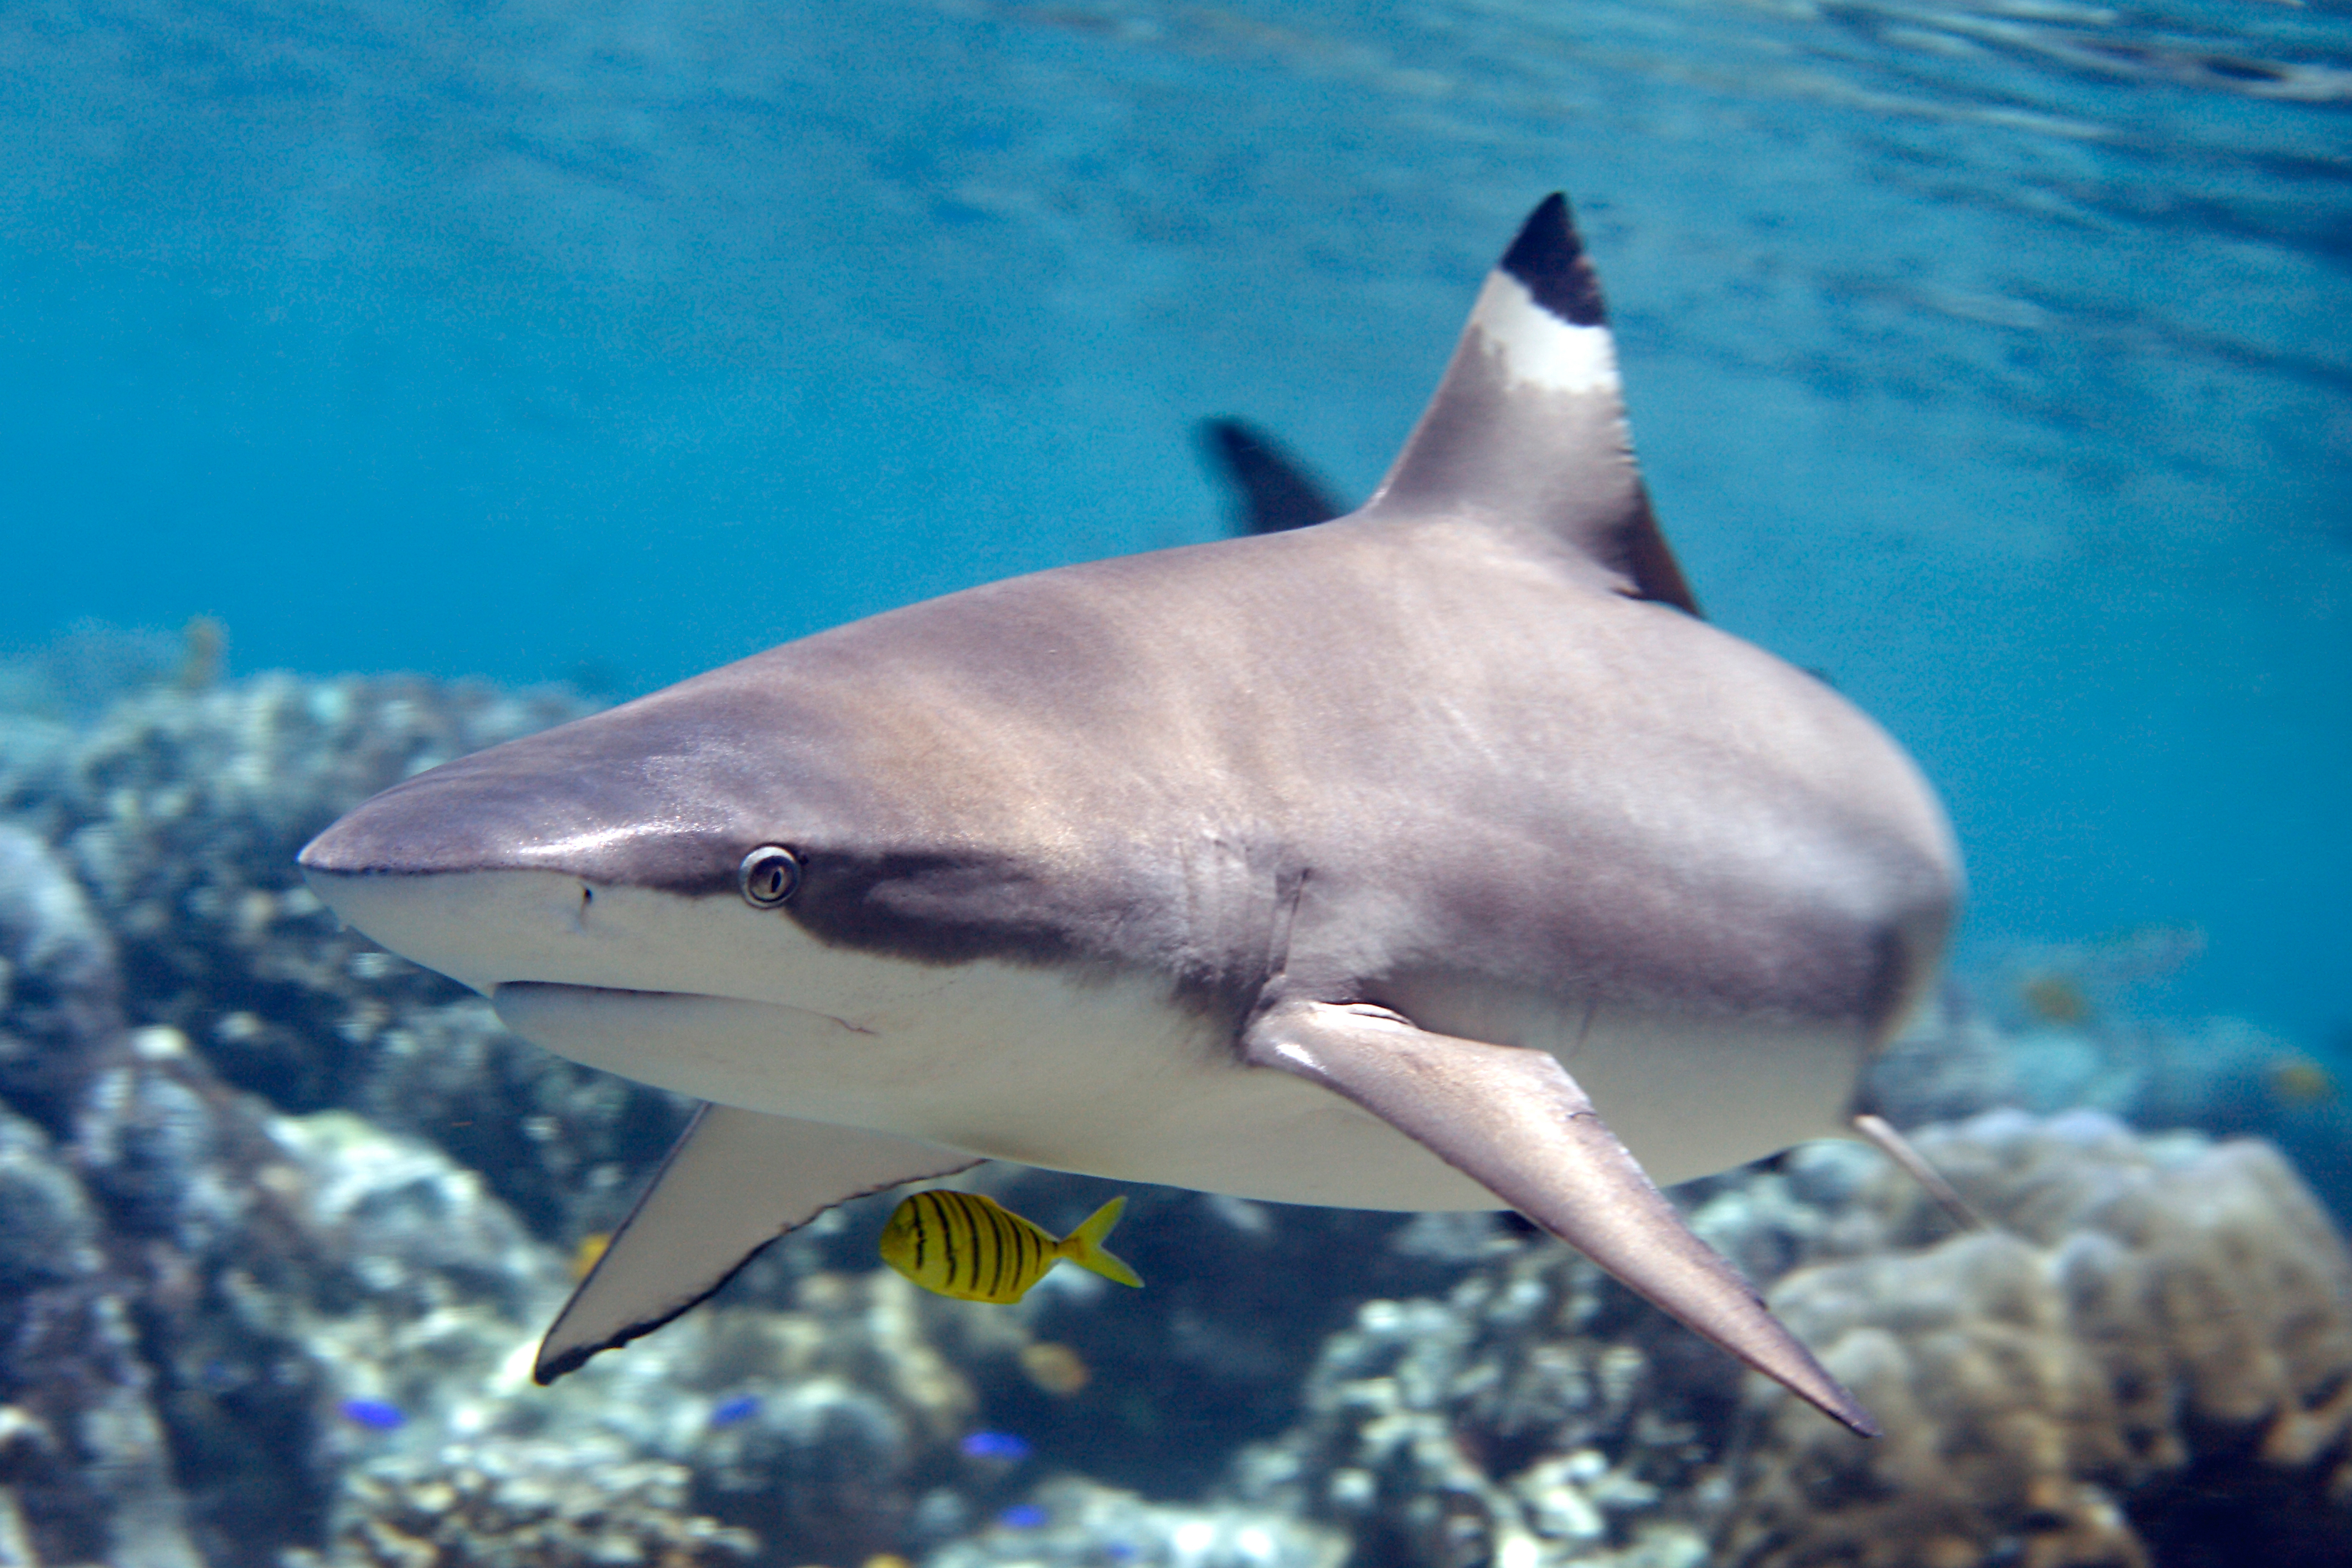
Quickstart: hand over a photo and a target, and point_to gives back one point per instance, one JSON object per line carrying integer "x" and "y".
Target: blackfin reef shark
{"x": 1366, "y": 864}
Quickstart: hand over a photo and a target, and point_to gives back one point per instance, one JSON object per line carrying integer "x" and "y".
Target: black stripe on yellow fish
{"x": 986, "y": 1225}
{"x": 947, "y": 1242}
{"x": 990, "y": 1221}
{"x": 1016, "y": 1248}
{"x": 931, "y": 1221}
{"x": 967, "y": 1237}
{"x": 934, "y": 1222}
{"x": 974, "y": 1235}
{"x": 1000, "y": 1240}
{"x": 981, "y": 1235}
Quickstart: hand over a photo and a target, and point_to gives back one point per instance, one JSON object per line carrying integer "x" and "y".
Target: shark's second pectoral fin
{"x": 736, "y": 1180}
{"x": 1514, "y": 1121}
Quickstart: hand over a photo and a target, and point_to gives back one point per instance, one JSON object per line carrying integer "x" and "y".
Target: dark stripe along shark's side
{"x": 1368, "y": 864}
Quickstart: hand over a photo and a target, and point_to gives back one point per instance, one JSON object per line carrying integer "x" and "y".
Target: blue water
{"x": 1996, "y": 359}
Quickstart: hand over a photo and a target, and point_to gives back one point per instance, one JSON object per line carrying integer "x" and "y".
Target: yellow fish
{"x": 585, "y": 1256}
{"x": 975, "y": 1249}
{"x": 2299, "y": 1080}
{"x": 2054, "y": 998}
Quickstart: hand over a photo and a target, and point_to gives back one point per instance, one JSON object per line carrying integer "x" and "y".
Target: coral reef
{"x": 179, "y": 811}
{"x": 2159, "y": 1332}
{"x": 59, "y": 1015}
{"x": 524, "y": 1503}
{"x": 2219, "y": 1076}
{"x": 1074, "y": 1523}
{"x": 1482, "y": 1427}
{"x": 281, "y": 1217}
{"x": 2146, "y": 1359}
{"x": 85, "y": 1464}
{"x": 832, "y": 1426}
{"x": 1213, "y": 1354}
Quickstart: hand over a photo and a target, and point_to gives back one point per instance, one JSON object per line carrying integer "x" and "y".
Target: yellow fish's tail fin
{"x": 1083, "y": 1246}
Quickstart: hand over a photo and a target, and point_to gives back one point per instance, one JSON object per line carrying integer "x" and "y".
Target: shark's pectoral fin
{"x": 736, "y": 1180}
{"x": 1914, "y": 1165}
{"x": 1514, "y": 1121}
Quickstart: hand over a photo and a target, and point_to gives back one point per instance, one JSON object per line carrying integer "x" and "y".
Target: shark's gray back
{"x": 1383, "y": 750}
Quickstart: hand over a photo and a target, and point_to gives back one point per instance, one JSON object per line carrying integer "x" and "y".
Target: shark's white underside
{"x": 1101, "y": 1072}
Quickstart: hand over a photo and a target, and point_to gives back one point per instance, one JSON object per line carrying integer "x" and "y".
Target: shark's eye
{"x": 769, "y": 875}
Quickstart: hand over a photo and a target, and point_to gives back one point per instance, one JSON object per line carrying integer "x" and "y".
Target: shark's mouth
{"x": 1047, "y": 1078}
{"x": 556, "y": 1000}
{"x": 726, "y": 1048}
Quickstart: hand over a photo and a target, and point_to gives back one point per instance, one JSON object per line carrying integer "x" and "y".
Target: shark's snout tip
{"x": 355, "y": 845}
{"x": 325, "y": 856}
{"x": 446, "y": 821}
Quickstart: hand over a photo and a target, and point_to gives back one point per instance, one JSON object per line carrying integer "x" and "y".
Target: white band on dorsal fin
{"x": 1540, "y": 348}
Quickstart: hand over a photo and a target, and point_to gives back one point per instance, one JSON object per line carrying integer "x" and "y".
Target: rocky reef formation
{"x": 2151, "y": 1342}
{"x": 2145, "y": 1356}
{"x": 178, "y": 814}
{"x": 2219, "y": 1076}
{"x": 281, "y": 1217}
{"x": 524, "y": 1503}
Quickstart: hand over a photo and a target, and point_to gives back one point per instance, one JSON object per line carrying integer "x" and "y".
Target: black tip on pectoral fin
{"x": 1549, "y": 258}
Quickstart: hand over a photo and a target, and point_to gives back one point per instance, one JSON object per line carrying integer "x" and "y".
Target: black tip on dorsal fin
{"x": 1527, "y": 432}
{"x": 1550, "y": 259}
{"x": 1272, "y": 490}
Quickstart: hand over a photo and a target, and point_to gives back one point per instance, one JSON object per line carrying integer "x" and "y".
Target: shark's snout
{"x": 490, "y": 868}
{"x": 622, "y": 854}
{"x": 440, "y": 822}
{"x": 612, "y": 800}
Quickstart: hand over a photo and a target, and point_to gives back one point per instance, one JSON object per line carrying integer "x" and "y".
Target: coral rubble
{"x": 1075, "y": 1523}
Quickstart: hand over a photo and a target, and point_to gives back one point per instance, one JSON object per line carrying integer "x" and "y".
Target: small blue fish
{"x": 1022, "y": 1516}
{"x": 375, "y": 1415}
{"x": 742, "y": 1407}
{"x": 994, "y": 1445}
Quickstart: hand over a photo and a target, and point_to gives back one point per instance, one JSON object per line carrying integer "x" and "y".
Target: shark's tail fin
{"x": 1083, "y": 1246}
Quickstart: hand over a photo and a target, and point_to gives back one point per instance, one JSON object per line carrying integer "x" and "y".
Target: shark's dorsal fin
{"x": 1528, "y": 426}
